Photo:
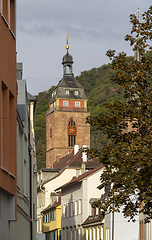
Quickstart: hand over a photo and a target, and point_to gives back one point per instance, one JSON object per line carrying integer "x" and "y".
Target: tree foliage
{"x": 128, "y": 156}
{"x": 40, "y": 126}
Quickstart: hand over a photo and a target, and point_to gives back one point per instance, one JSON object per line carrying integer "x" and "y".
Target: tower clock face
{"x": 72, "y": 130}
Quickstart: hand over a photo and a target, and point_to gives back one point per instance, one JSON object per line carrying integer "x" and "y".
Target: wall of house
{"x": 63, "y": 177}
{"x": 122, "y": 228}
{"x": 8, "y": 95}
{"x": 25, "y": 226}
{"x": 78, "y": 195}
{"x": 94, "y": 232}
{"x": 52, "y": 225}
{"x": 145, "y": 229}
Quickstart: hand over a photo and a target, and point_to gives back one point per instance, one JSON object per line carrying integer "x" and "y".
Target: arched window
{"x": 72, "y": 132}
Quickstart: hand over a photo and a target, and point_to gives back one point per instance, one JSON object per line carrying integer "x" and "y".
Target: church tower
{"x": 66, "y": 117}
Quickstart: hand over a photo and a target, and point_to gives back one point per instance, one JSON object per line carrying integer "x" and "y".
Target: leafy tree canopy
{"x": 128, "y": 156}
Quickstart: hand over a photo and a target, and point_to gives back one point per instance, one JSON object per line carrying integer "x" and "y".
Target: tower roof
{"x": 67, "y": 58}
{"x": 68, "y": 83}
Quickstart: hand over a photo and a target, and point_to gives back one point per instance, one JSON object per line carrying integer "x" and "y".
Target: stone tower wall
{"x": 57, "y": 144}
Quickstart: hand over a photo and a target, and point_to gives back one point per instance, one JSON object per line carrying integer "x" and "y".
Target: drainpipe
{"x": 31, "y": 178}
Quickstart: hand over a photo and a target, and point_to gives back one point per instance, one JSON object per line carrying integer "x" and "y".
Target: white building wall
{"x": 54, "y": 183}
{"x": 80, "y": 191}
{"x": 122, "y": 228}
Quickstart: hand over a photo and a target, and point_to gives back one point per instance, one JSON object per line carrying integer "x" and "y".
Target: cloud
{"x": 93, "y": 26}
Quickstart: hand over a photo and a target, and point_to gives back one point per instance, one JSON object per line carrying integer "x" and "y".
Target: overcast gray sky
{"x": 94, "y": 27}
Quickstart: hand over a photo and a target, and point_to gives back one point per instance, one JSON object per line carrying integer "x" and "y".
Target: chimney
{"x": 76, "y": 149}
{"x": 83, "y": 167}
{"x": 84, "y": 154}
{"x": 19, "y": 71}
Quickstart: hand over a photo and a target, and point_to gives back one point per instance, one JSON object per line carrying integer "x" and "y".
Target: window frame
{"x": 65, "y": 103}
{"x": 77, "y": 104}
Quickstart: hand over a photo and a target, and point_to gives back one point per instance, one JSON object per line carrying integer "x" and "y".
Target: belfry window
{"x": 72, "y": 132}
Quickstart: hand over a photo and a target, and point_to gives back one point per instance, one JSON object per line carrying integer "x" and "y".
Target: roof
{"x": 54, "y": 205}
{"x": 31, "y": 97}
{"x": 80, "y": 177}
{"x": 92, "y": 219}
{"x": 67, "y": 58}
{"x": 68, "y": 82}
{"x": 76, "y": 160}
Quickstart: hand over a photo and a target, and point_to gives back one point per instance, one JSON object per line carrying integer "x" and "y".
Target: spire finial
{"x": 67, "y": 46}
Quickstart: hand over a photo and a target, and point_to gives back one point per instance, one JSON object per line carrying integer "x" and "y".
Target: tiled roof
{"x": 79, "y": 178}
{"x": 91, "y": 219}
{"x": 54, "y": 205}
{"x": 76, "y": 160}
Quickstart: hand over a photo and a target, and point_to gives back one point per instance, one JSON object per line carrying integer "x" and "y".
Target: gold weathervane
{"x": 67, "y": 46}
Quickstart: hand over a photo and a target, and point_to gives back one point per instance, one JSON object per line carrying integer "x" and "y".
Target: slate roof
{"x": 68, "y": 82}
{"x": 79, "y": 178}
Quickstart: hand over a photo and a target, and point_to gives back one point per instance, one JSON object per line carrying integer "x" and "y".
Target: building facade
{"x": 52, "y": 219}
{"x": 8, "y": 106}
{"x": 25, "y": 226}
{"x": 75, "y": 197}
{"x": 70, "y": 166}
{"x": 66, "y": 118}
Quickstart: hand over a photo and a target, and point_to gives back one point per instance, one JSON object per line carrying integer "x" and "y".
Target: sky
{"x": 94, "y": 26}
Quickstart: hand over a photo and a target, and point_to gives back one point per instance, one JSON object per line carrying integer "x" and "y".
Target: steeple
{"x": 67, "y": 60}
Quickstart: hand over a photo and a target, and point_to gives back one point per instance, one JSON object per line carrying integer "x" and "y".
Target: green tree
{"x": 40, "y": 126}
{"x": 128, "y": 156}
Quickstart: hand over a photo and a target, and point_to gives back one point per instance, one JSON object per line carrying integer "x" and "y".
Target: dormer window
{"x": 76, "y": 93}
{"x": 53, "y": 94}
{"x": 67, "y": 92}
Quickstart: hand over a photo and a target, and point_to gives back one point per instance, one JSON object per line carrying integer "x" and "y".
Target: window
{"x": 98, "y": 231}
{"x": 80, "y": 208}
{"x": 77, "y": 104}
{"x": 94, "y": 233}
{"x": 67, "y": 92}
{"x": 76, "y": 93}
{"x": 54, "y": 93}
{"x": 71, "y": 209}
{"x": 7, "y": 8}
{"x": 92, "y": 211}
{"x": 72, "y": 132}
{"x": 101, "y": 233}
{"x": 63, "y": 212}
{"x": 67, "y": 209}
{"x": 87, "y": 234}
{"x": 65, "y": 103}
{"x": 90, "y": 234}
{"x": 107, "y": 233}
{"x": 76, "y": 207}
